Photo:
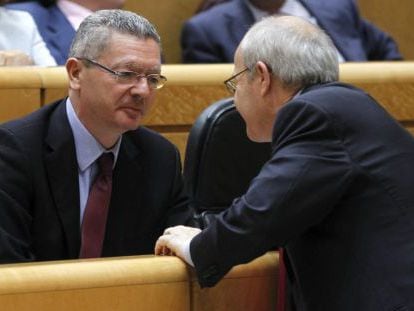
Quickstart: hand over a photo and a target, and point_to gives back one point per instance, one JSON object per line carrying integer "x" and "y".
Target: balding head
{"x": 296, "y": 51}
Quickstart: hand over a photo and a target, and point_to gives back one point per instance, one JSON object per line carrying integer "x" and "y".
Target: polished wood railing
{"x": 135, "y": 283}
{"x": 191, "y": 88}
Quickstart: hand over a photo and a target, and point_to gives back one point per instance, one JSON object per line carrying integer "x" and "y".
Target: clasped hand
{"x": 175, "y": 241}
{"x": 14, "y": 58}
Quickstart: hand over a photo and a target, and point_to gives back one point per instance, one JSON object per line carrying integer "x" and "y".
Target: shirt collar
{"x": 74, "y": 12}
{"x": 289, "y": 7}
{"x": 88, "y": 149}
{"x": 257, "y": 13}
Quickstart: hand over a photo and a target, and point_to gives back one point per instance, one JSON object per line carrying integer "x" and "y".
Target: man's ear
{"x": 74, "y": 69}
{"x": 265, "y": 77}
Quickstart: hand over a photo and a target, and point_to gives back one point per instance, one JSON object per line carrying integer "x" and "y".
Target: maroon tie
{"x": 96, "y": 210}
{"x": 281, "y": 286}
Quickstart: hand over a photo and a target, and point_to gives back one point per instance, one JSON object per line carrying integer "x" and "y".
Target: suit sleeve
{"x": 40, "y": 53}
{"x": 15, "y": 191}
{"x": 378, "y": 44}
{"x": 179, "y": 212}
{"x": 196, "y": 46}
{"x": 296, "y": 189}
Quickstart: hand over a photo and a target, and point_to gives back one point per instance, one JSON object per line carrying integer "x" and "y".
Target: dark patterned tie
{"x": 96, "y": 210}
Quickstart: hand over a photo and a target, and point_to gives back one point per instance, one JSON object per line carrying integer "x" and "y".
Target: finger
{"x": 165, "y": 251}
{"x": 161, "y": 245}
{"x": 158, "y": 249}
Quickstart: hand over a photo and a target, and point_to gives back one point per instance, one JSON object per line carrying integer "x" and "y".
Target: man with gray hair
{"x": 336, "y": 193}
{"x": 80, "y": 177}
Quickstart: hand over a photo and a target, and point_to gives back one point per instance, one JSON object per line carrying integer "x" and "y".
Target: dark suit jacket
{"x": 338, "y": 194}
{"x": 39, "y": 192}
{"x": 213, "y": 35}
{"x": 54, "y": 27}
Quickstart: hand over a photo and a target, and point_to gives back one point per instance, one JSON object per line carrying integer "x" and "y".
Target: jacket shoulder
{"x": 149, "y": 138}
{"x": 216, "y": 13}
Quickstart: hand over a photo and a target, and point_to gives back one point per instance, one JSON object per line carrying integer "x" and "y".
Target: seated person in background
{"x": 50, "y": 161}
{"x": 20, "y": 41}
{"x": 337, "y": 192}
{"x": 58, "y": 20}
{"x": 213, "y": 35}
{"x": 206, "y": 4}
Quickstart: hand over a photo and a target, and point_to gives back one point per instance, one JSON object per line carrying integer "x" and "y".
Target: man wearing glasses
{"x": 337, "y": 192}
{"x": 80, "y": 177}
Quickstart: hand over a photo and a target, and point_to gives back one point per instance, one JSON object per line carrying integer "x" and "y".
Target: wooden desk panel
{"x": 249, "y": 287}
{"x": 15, "y": 103}
{"x": 20, "y": 92}
{"x": 180, "y": 105}
{"x": 135, "y": 283}
{"x": 192, "y": 88}
{"x": 124, "y": 283}
{"x": 54, "y": 84}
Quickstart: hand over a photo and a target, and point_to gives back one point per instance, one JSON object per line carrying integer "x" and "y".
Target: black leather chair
{"x": 220, "y": 160}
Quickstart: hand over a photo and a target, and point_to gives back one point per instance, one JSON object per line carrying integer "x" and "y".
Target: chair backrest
{"x": 220, "y": 160}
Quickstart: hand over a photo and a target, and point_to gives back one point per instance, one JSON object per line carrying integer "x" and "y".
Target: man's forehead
{"x": 125, "y": 42}
{"x": 116, "y": 35}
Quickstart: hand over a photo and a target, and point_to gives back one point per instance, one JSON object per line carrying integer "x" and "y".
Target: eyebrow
{"x": 133, "y": 67}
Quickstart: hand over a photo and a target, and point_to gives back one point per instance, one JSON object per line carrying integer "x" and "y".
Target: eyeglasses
{"x": 231, "y": 82}
{"x": 155, "y": 80}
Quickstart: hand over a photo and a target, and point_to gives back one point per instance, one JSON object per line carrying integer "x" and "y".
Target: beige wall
{"x": 168, "y": 16}
{"x": 394, "y": 17}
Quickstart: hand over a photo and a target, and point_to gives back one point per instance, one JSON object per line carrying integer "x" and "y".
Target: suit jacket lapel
{"x": 239, "y": 21}
{"x": 346, "y": 40}
{"x": 127, "y": 190}
{"x": 60, "y": 32}
{"x": 62, "y": 171}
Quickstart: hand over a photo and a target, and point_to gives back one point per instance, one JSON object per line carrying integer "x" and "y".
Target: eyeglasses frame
{"x": 231, "y": 84}
{"x": 121, "y": 74}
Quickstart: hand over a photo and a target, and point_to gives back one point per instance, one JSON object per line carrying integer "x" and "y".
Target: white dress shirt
{"x": 18, "y": 31}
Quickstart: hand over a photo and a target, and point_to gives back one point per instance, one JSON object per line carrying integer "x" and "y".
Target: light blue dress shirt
{"x": 88, "y": 150}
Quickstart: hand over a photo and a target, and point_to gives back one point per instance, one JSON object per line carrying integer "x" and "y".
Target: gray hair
{"x": 95, "y": 31}
{"x": 297, "y": 52}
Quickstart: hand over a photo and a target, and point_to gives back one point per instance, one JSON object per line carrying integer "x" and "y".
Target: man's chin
{"x": 129, "y": 124}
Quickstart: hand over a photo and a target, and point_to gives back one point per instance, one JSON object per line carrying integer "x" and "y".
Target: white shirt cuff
{"x": 187, "y": 254}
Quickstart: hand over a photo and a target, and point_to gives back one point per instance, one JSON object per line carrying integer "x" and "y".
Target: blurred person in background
{"x": 20, "y": 41}
{"x": 213, "y": 35}
{"x": 58, "y": 20}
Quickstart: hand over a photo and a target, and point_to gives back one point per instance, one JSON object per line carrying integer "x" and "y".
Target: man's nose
{"x": 141, "y": 87}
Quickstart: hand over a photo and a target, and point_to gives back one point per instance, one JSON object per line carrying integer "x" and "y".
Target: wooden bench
{"x": 191, "y": 88}
{"x": 135, "y": 283}
{"x": 390, "y": 83}
{"x": 20, "y": 92}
